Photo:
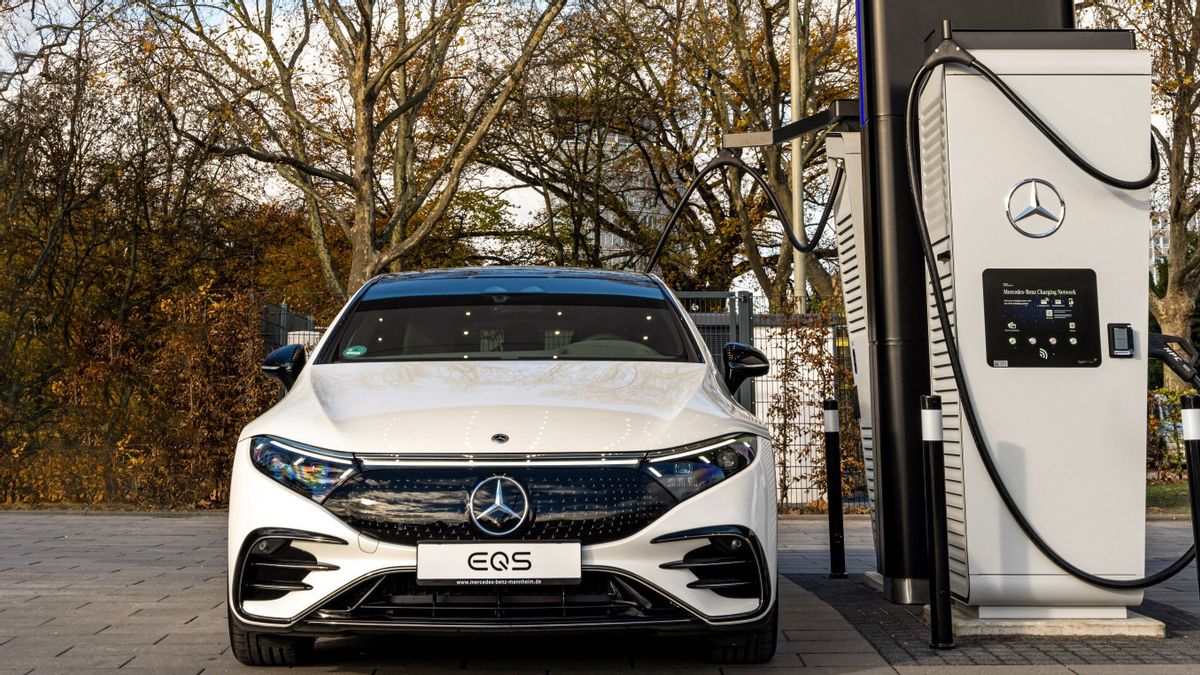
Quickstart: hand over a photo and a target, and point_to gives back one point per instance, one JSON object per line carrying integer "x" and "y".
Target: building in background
{"x": 1160, "y": 243}
{"x": 609, "y": 157}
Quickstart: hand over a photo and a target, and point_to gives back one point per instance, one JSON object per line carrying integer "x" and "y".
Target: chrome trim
{"x": 906, "y": 591}
{"x": 309, "y": 451}
{"x": 688, "y": 453}
{"x": 295, "y": 535}
{"x": 703, "y": 446}
{"x": 1035, "y": 208}
{"x": 634, "y": 458}
{"x": 700, "y": 564}
{"x": 285, "y": 565}
{"x": 251, "y": 619}
{"x": 380, "y": 461}
{"x": 710, "y": 585}
{"x": 499, "y": 504}
{"x": 483, "y": 626}
{"x": 282, "y": 586}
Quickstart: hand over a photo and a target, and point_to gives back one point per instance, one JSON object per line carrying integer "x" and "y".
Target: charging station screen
{"x": 1041, "y": 318}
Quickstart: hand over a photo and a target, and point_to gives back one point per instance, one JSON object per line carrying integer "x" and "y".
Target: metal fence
{"x": 276, "y": 321}
{"x": 724, "y": 317}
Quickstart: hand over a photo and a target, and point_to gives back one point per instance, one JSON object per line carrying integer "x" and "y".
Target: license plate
{"x": 498, "y": 564}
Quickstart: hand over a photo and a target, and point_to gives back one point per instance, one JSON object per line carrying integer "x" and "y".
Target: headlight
{"x": 687, "y": 471}
{"x": 312, "y": 472}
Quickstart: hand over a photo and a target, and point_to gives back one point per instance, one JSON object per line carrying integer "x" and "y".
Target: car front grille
{"x": 580, "y": 503}
{"x": 599, "y": 597}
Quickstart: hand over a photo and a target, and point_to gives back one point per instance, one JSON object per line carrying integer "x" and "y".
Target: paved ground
{"x": 94, "y": 593}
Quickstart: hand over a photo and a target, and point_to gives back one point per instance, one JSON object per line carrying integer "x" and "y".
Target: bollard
{"x": 941, "y": 622}
{"x": 1190, "y": 412}
{"x": 833, "y": 490}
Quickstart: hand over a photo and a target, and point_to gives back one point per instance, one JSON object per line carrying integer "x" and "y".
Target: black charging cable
{"x": 949, "y": 52}
{"x": 726, "y": 158}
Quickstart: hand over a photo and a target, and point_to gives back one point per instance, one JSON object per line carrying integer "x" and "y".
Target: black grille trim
{"x": 269, "y": 567}
{"x": 589, "y": 504}
{"x": 600, "y": 597}
{"x": 731, "y": 562}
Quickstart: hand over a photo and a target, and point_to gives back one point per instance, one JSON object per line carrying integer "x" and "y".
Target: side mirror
{"x": 284, "y": 364}
{"x": 743, "y": 362}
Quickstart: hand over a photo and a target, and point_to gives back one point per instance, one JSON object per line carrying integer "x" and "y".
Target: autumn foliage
{"x": 148, "y": 421}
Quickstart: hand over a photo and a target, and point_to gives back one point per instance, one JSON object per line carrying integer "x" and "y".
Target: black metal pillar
{"x": 833, "y": 490}
{"x": 891, "y": 49}
{"x": 1190, "y": 412}
{"x": 941, "y": 624}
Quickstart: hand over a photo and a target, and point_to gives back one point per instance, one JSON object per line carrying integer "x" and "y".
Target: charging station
{"x": 891, "y": 40}
{"x": 1045, "y": 274}
{"x": 1049, "y": 265}
{"x": 991, "y": 191}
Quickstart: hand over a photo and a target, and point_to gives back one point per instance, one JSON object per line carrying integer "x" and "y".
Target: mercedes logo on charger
{"x": 498, "y": 506}
{"x": 1035, "y": 208}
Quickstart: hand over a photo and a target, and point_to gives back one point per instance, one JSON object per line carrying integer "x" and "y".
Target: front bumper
{"x": 654, "y": 578}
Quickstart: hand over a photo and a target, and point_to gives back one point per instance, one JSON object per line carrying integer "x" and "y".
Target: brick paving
{"x": 901, "y": 638}
{"x": 108, "y": 592}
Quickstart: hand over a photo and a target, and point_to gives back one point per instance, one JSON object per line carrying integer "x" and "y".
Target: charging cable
{"x": 725, "y": 158}
{"x": 949, "y": 52}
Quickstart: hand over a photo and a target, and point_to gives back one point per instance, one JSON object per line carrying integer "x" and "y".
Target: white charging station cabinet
{"x": 1044, "y": 270}
{"x": 1038, "y": 260}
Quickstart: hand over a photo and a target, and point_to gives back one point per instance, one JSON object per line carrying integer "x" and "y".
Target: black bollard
{"x": 1190, "y": 412}
{"x": 833, "y": 490}
{"x": 941, "y": 622}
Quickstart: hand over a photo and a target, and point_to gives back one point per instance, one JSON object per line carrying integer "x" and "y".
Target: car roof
{"x": 512, "y": 280}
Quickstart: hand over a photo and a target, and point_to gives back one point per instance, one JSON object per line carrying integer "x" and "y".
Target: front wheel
{"x": 256, "y": 649}
{"x": 753, "y": 646}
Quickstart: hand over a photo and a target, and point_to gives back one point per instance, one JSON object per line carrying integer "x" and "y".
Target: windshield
{"x": 534, "y": 326}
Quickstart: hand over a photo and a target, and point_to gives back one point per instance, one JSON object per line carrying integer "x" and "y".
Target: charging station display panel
{"x": 1041, "y": 318}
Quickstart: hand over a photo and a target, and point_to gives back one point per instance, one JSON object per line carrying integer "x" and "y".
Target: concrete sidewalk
{"x": 107, "y": 592}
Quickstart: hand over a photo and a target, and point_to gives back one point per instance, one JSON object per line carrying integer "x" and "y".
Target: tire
{"x": 754, "y": 646}
{"x": 256, "y": 649}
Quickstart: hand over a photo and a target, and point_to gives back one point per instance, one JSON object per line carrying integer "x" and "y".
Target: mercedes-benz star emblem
{"x": 1035, "y": 208}
{"x": 500, "y": 438}
{"x": 498, "y": 506}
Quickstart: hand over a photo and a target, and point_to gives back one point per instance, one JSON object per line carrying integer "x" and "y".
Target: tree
{"x": 1174, "y": 31}
{"x": 646, "y": 90}
{"x": 106, "y": 214}
{"x": 371, "y": 110}
{"x": 1170, "y": 29}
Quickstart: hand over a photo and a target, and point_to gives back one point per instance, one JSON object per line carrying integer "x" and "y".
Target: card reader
{"x": 1120, "y": 341}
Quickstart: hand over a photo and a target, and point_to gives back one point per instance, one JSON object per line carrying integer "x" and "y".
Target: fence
{"x": 276, "y": 321}
{"x": 724, "y": 317}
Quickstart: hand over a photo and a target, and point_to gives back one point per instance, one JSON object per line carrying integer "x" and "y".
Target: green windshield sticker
{"x": 354, "y": 351}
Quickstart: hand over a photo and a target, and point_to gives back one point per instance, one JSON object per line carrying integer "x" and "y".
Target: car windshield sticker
{"x": 354, "y": 351}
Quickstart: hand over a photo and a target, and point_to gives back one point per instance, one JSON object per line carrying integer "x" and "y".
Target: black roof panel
{"x": 512, "y": 280}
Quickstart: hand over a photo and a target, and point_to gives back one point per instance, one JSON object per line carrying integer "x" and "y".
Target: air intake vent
{"x": 729, "y": 563}
{"x": 271, "y": 566}
{"x": 396, "y": 598}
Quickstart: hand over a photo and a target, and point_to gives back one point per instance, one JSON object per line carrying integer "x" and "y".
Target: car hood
{"x": 542, "y": 406}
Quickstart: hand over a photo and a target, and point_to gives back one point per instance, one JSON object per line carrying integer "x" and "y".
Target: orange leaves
{"x": 151, "y": 424}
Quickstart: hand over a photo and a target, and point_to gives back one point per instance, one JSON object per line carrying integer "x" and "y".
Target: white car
{"x": 505, "y": 449}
